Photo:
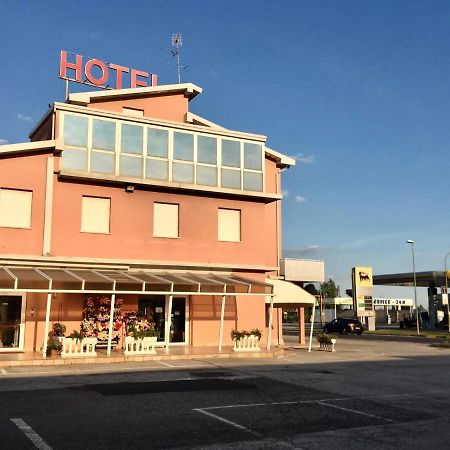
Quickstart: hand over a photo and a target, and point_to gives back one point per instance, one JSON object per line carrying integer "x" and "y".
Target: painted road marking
{"x": 229, "y": 422}
{"x": 31, "y": 434}
{"x": 182, "y": 366}
{"x": 355, "y": 411}
{"x": 279, "y": 444}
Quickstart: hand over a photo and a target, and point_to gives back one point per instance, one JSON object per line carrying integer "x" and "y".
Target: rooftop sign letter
{"x": 103, "y": 74}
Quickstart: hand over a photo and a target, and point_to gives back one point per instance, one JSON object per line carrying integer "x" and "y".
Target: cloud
{"x": 305, "y": 159}
{"x": 306, "y": 251}
{"x": 300, "y": 199}
{"x": 3, "y": 141}
{"x": 285, "y": 193}
{"x": 24, "y": 118}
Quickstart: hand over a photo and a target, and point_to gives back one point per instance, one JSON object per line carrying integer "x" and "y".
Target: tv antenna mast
{"x": 177, "y": 43}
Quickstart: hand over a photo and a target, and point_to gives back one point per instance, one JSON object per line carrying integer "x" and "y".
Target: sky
{"x": 357, "y": 92}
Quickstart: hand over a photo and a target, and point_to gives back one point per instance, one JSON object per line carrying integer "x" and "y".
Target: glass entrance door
{"x": 11, "y": 323}
{"x": 154, "y": 308}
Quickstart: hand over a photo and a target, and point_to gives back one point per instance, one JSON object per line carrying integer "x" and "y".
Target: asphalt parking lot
{"x": 369, "y": 393}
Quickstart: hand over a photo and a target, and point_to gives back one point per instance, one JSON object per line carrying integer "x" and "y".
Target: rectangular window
{"x": 15, "y": 208}
{"x": 207, "y": 150}
{"x": 103, "y": 134}
{"x": 157, "y": 142}
{"x": 229, "y": 225}
{"x": 75, "y": 130}
{"x": 165, "y": 220}
{"x": 231, "y": 153}
{"x": 132, "y": 139}
{"x": 95, "y": 214}
{"x": 183, "y": 146}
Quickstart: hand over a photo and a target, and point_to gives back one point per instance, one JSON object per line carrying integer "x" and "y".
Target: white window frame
{"x": 83, "y": 228}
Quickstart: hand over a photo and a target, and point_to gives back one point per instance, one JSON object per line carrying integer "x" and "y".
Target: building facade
{"x": 126, "y": 199}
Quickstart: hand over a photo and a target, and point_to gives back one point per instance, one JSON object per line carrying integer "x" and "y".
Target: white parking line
{"x": 182, "y": 366}
{"x": 355, "y": 411}
{"x": 31, "y": 434}
{"x": 229, "y": 422}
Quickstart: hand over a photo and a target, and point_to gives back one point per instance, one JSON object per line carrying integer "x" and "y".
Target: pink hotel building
{"x": 127, "y": 195}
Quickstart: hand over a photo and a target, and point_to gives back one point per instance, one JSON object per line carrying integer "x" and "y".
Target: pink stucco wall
{"x": 166, "y": 107}
{"x": 131, "y": 228}
{"x": 25, "y": 172}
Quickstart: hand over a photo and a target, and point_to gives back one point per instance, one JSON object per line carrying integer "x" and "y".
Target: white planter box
{"x": 73, "y": 348}
{"x": 144, "y": 346}
{"x": 327, "y": 347}
{"x": 247, "y": 344}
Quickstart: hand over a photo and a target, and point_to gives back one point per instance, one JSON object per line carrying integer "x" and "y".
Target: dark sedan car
{"x": 344, "y": 326}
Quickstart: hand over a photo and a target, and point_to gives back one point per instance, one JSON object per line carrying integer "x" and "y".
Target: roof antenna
{"x": 177, "y": 43}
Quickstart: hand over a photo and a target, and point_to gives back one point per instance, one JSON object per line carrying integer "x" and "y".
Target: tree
{"x": 329, "y": 289}
{"x": 311, "y": 289}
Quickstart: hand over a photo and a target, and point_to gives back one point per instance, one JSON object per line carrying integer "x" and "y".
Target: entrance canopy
{"x": 123, "y": 281}
{"x": 287, "y": 293}
{"x": 423, "y": 279}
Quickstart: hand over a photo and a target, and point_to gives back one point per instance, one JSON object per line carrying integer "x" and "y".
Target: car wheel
{"x": 345, "y": 331}
{"x": 325, "y": 330}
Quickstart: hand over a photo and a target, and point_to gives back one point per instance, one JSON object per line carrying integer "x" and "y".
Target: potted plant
{"x": 58, "y": 329}
{"x": 53, "y": 348}
{"x": 76, "y": 344}
{"x": 246, "y": 341}
{"x": 141, "y": 335}
{"x": 326, "y": 342}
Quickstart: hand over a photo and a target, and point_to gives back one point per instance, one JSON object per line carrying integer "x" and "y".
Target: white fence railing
{"x": 73, "y": 348}
{"x": 144, "y": 346}
{"x": 247, "y": 344}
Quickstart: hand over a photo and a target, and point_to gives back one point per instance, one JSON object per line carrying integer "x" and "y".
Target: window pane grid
{"x": 149, "y": 152}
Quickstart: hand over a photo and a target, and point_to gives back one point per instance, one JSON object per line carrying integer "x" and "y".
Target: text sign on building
{"x": 362, "y": 284}
{"x": 393, "y": 302}
{"x": 94, "y": 72}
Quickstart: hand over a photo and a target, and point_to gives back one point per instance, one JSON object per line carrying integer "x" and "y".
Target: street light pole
{"x": 446, "y": 289}
{"x": 409, "y": 241}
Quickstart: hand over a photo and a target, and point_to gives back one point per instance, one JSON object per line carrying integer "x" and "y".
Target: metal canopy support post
{"x": 168, "y": 319}
{"x": 222, "y": 318}
{"x": 47, "y": 320}
{"x": 312, "y": 326}
{"x": 269, "y": 334}
{"x": 111, "y": 322}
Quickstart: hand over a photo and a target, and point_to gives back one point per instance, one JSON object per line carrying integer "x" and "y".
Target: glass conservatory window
{"x": 157, "y": 142}
{"x": 103, "y": 134}
{"x": 231, "y": 153}
{"x": 206, "y": 150}
{"x": 75, "y": 159}
{"x": 75, "y": 130}
{"x": 183, "y": 173}
{"x": 253, "y": 181}
{"x": 102, "y": 162}
{"x": 130, "y": 166}
{"x": 132, "y": 139}
{"x": 252, "y": 156}
{"x": 207, "y": 175}
{"x": 231, "y": 179}
{"x": 183, "y": 146}
{"x": 157, "y": 169}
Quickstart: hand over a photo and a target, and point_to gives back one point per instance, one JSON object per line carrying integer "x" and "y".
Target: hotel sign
{"x": 94, "y": 72}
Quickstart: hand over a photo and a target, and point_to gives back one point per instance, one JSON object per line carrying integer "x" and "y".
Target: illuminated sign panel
{"x": 95, "y": 72}
{"x": 362, "y": 291}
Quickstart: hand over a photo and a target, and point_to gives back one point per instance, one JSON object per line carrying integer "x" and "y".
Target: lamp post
{"x": 446, "y": 289}
{"x": 410, "y": 241}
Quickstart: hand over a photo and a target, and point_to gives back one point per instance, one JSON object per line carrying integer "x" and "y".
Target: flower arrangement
{"x": 237, "y": 335}
{"x": 58, "y": 329}
{"x": 325, "y": 338}
{"x": 96, "y": 315}
{"x": 138, "y": 326}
